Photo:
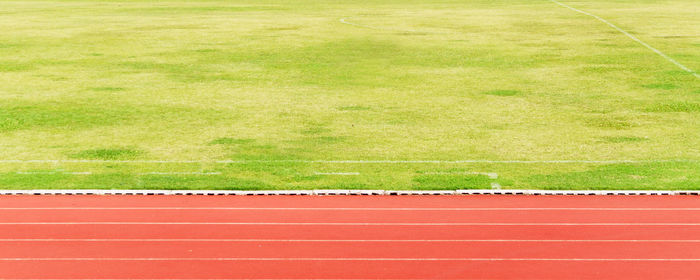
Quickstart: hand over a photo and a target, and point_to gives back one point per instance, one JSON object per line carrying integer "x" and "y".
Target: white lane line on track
{"x": 370, "y": 240}
{"x": 362, "y": 209}
{"x": 344, "y": 259}
{"x": 350, "y": 224}
{"x": 681, "y": 66}
{"x": 349, "y": 161}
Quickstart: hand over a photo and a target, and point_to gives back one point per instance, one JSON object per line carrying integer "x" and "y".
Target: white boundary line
{"x": 344, "y": 21}
{"x": 491, "y": 175}
{"x": 341, "y": 192}
{"x": 181, "y": 173}
{"x": 349, "y": 259}
{"x": 681, "y": 66}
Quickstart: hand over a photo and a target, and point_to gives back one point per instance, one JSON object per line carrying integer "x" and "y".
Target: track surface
{"x": 349, "y": 237}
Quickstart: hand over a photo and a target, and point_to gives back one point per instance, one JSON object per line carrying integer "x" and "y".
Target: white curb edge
{"x": 343, "y": 192}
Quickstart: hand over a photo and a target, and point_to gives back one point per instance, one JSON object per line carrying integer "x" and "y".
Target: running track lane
{"x": 349, "y": 237}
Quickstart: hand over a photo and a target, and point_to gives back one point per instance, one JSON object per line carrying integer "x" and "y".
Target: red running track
{"x": 349, "y": 237}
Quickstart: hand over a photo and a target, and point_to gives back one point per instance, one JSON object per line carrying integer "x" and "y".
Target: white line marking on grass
{"x": 344, "y": 21}
{"x": 681, "y": 66}
{"x": 368, "y": 240}
{"x": 352, "y": 161}
{"x": 346, "y": 259}
{"x": 357, "y": 209}
{"x": 349, "y": 224}
{"x": 489, "y": 174}
{"x": 181, "y": 173}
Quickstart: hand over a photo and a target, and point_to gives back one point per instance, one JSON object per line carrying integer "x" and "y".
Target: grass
{"x": 107, "y": 154}
{"x": 280, "y": 88}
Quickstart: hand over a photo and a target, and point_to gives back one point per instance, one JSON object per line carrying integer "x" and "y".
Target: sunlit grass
{"x": 275, "y": 85}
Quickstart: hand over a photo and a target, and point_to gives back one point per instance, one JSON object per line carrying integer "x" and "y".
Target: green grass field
{"x": 304, "y": 94}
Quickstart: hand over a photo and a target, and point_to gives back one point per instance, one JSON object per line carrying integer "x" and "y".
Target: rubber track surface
{"x": 349, "y": 237}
